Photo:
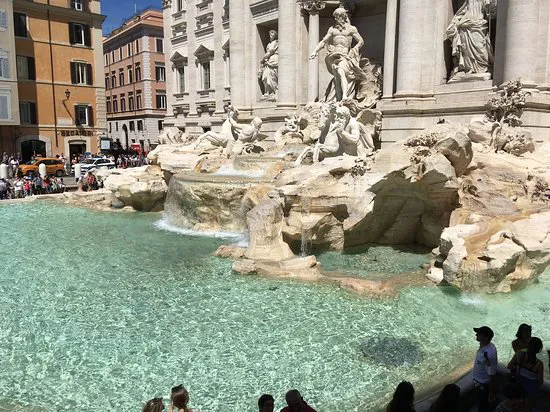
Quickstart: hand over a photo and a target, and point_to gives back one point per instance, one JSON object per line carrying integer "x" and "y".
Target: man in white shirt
{"x": 485, "y": 369}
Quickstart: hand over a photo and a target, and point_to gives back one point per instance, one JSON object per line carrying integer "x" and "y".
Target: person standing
{"x": 485, "y": 369}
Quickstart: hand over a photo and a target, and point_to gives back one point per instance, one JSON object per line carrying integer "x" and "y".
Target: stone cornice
{"x": 56, "y": 10}
{"x": 263, "y": 6}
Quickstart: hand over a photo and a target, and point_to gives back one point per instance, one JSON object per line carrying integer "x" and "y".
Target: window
{"x": 25, "y": 68}
{"x": 129, "y": 51}
{"x": 106, "y": 59}
{"x": 4, "y": 64}
{"x": 79, "y": 34}
{"x": 137, "y": 46}
{"x": 81, "y": 73}
{"x": 121, "y": 77}
{"x": 83, "y": 115}
{"x": 116, "y": 126}
{"x": 132, "y": 126}
{"x": 140, "y": 125}
{"x": 107, "y": 82}
{"x": 130, "y": 75}
{"x": 131, "y": 102}
{"x": 3, "y": 20}
{"x": 160, "y": 125}
{"x": 20, "y": 24}
{"x": 181, "y": 79}
{"x": 179, "y": 5}
{"x": 160, "y": 72}
{"x": 160, "y": 46}
{"x": 27, "y": 111}
{"x": 161, "y": 101}
{"x": 113, "y": 79}
{"x": 108, "y": 104}
{"x": 138, "y": 100}
{"x": 120, "y": 54}
{"x": 110, "y": 127}
{"x": 115, "y": 104}
{"x": 205, "y": 75}
{"x": 5, "y": 104}
{"x": 77, "y": 4}
{"x": 112, "y": 56}
{"x": 138, "y": 73}
{"x": 122, "y": 103}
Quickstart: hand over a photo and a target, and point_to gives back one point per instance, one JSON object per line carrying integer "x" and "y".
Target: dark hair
{"x": 180, "y": 397}
{"x": 263, "y": 399}
{"x": 403, "y": 398}
{"x": 448, "y": 400}
{"x": 154, "y": 405}
{"x": 524, "y": 327}
{"x": 534, "y": 347}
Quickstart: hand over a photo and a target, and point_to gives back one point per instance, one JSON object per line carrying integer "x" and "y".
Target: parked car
{"x": 93, "y": 163}
{"x": 54, "y": 166}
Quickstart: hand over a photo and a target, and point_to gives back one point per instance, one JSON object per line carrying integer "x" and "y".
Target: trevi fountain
{"x": 313, "y": 253}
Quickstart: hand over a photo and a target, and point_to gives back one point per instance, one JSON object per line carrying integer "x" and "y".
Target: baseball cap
{"x": 485, "y": 331}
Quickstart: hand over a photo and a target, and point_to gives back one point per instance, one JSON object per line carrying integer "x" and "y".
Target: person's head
{"x": 294, "y": 400}
{"x": 534, "y": 346}
{"x": 180, "y": 397}
{"x": 343, "y": 115}
{"x": 154, "y": 405}
{"x": 266, "y": 403}
{"x": 448, "y": 399}
{"x": 403, "y": 397}
{"x": 514, "y": 394}
{"x": 257, "y": 123}
{"x": 484, "y": 334}
{"x": 273, "y": 35}
{"x": 341, "y": 15}
{"x": 524, "y": 332}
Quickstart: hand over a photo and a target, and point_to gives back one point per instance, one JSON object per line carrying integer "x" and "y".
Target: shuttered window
{"x": 26, "y": 69}
{"x": 81, "y": 73}
{"x": 80, "y": 34}
{"x": 83, "y": 115}
{"x": 4, "y": 65}
{"x": 3, "y": 20}
{"x": 27, "y": 111}
{"x": 5, "y": 105}
{"x": 20, "y": 24}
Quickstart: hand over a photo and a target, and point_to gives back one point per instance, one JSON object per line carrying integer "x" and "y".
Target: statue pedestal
{"x": 472, "y": 77}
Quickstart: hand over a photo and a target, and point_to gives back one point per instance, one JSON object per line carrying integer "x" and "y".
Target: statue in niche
{"x": 268, "y": 75}
{"x": 470, "y": 38}
{"x": 353, "y": 77}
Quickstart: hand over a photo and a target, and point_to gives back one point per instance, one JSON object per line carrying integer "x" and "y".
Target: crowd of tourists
{"x": 31, "y": 186}
{"x": 520, "y": 393}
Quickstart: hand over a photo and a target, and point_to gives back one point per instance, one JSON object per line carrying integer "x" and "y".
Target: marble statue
{"x": 345, "y": 135}
{"x": 471, "y": 44}
{"x": 247, "y": 137}
{"x": 171, "y": 135}
{"x": 229, "y": 131}
{"x": 268, "y": 75}
{"x": 342, "y": 60}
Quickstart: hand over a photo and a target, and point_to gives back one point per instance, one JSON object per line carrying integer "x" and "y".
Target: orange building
{"x": 59, "y": 63}
{"x": 135, "y": 79}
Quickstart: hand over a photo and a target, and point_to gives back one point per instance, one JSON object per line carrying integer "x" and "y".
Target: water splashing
{"x": 307, "y": 232}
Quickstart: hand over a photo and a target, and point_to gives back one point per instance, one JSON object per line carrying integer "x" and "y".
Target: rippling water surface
{"x": 103, "y": 311}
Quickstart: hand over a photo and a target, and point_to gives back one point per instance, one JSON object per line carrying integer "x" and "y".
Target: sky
{"x": 119, "y": 10}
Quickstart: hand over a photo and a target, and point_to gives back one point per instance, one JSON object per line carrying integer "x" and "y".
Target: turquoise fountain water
{"x": 101, "y": 312}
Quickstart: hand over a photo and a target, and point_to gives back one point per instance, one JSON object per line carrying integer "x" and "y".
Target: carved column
{"x": 389, "y": 48}
{"x": 517, "y": 34}
{"x": 416, "y": 48}
{"x": 287, "y": 53}
{"x": 237, "y": 64}
{"x": 313, "y": 7}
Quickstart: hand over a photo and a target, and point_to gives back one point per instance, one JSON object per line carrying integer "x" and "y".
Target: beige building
{"x": 58, "y": 64}
{"x": 214, "y": 49}
{"x": 135, "y": 80}
{"x": 9, "y": 96}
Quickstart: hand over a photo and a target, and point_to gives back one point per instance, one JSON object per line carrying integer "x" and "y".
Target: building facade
{"x": 135, "y": 81}
{"x": 216, "y": 47}
{"x": 58, "y": 65}
{"x": 9, "y": 100}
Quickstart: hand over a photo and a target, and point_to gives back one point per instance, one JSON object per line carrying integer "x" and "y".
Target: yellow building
{"x": 59, "y": 60}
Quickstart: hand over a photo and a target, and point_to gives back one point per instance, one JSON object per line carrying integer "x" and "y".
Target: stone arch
{"x": 27, "y": 138}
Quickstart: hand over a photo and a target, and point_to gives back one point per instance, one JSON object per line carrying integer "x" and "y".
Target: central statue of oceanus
{"x": 353, "y": 77}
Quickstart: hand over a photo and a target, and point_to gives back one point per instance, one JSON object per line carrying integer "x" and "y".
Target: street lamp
{"x": 67, "y": 94}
